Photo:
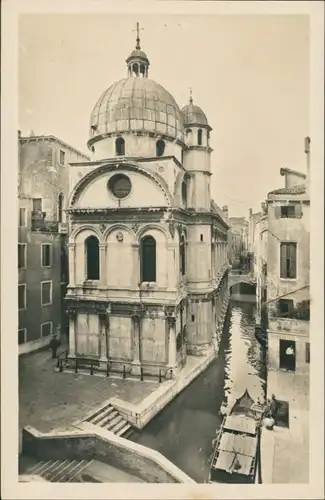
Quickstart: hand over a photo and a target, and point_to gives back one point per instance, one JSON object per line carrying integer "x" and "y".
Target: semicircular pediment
{"x": 144, "y": 188}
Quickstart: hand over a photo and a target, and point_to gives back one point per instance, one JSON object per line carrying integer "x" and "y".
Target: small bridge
{"x": 236, "y": 277}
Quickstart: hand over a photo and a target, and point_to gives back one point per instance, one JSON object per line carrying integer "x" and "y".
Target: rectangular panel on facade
{"x": 153, "y": 340}
{"x": 120, "y": 329}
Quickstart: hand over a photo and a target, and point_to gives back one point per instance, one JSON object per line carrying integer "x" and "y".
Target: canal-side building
{"x": 238, "y": 241}
{"x": 288, "y": 298}
{"x": 43, "y": 187}
{"x": 252, "y": 239}
{"x": 260, "y": 265}
{"x": 148, "y": 261}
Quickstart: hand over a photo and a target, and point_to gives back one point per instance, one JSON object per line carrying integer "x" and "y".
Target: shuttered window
{"x": 307, "y": 352}
{"x": 288, "y": 211}
{"x": 288, "y": 260}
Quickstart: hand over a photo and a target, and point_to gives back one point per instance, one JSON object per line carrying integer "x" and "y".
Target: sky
{"x": 249, "y": 74}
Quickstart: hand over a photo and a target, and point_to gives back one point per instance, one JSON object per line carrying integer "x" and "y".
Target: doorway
{"x": 288, "y": 355}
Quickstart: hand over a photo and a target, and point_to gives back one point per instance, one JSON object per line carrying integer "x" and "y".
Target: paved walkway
{"x": 285, "y": 451}
{"x": 50, "y": 400}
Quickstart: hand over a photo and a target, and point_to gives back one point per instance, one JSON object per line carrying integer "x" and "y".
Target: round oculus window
{"x": 119, "y": 185}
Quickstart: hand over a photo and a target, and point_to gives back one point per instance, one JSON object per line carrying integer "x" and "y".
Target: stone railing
{"x": 290, "y": 326}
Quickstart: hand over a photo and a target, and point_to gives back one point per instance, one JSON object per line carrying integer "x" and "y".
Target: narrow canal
{"x": 184, "y": 430}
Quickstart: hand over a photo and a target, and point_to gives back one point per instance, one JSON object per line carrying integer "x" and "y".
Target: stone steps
{"x": 109, "y": 418}
{"x": 59, "y": 471}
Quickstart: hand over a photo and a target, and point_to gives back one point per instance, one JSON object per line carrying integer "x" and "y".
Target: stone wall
{"x": 104, "y": 446}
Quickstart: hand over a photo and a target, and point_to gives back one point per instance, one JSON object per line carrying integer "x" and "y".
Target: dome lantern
{"x": 138, "y": 62}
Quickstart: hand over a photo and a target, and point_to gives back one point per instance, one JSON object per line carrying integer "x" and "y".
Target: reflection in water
{"x": 244, "y": 364}
{"x": 184, "y": 430}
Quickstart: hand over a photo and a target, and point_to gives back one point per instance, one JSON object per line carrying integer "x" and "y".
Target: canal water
{"x": 184, "y": 430}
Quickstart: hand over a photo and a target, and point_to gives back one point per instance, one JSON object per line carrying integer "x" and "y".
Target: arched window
{"x": 199, "y": 137}
{"x": 182, "y": 258}
{"x": 60, "y": 207}
{"x": 148, "y": 259}
{"x": 92, "y": 258}
{"x": 160, "y": 148}
{"x": 184, "y": 193}
{"x": 188, "y": 134}
{"x": 120, "y": 146}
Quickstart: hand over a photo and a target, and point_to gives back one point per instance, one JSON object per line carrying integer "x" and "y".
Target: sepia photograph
{"x": 162, "y": 252}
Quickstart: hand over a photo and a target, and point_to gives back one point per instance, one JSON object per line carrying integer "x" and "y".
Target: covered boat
{"x": 234, "y": 456}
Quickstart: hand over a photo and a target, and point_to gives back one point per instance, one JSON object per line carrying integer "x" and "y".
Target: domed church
{"x": 148, "y": 259}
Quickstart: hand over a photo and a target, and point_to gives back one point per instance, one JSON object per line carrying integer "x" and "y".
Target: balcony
{"x": 41, "y": 225}
{"x": 288, "y": 326}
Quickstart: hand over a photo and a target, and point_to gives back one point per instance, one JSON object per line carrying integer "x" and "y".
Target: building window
{"x": 201, "y": 237}
{"x": 37, "y": 204}
{"x": 285, "y": 307}
{"x": 287, "y": 353}
{"x": 307, "y": 353}
{"x": 199, "y": 137}
{"x": 184, "y": 193}
{"x": 50, "y": 155}
{"x": 22, "y": 334}
{"x": 119, "y": 185}
{"x": 62, "y": 157}
{"x": 192, "y": 318}
{"x": 160, "y": 148}
{"x": 21, "y": 297}
{"x": 92, "y": 258}
{"x": 182, "y": 256}
{"x": 148, "y": 259}
{"x": 22, "y": 255}
{"x": 289, "y": 211}
{"x": 120, "y": 146}
{"x": 60, "y": 207}
{"x": 46, "y": 293}
{"x": 288, "y": 260}
{"x": 46, "y": 329}
{"x": 189, "y": 135}
{"x": 22, "y": 217}
{"x": 46, "y": 255}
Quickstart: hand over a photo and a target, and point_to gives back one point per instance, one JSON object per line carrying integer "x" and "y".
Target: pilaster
{"x": 72, "y": 263}
{"x": 136, "y": 364}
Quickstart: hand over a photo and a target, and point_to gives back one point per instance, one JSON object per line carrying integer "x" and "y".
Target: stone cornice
{"x": 139, "y": 132}
{"x": 52, "y": 138}
{"x": 148, "y": 214}
{"x": 121, "y": 159}
{"x": 200, "y": 148}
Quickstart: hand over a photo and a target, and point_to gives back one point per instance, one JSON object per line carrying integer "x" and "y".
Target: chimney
{"x": 225, "y": 211}
{"x": 307, "y": 152}
{"x": 250, "y": 212}
{"x": 19, "y": 134}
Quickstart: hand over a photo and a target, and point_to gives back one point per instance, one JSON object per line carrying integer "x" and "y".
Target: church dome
{"x": 193, "y": 115}
{"x": 137, "y": 53}
{"x": 136, "y": 105}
